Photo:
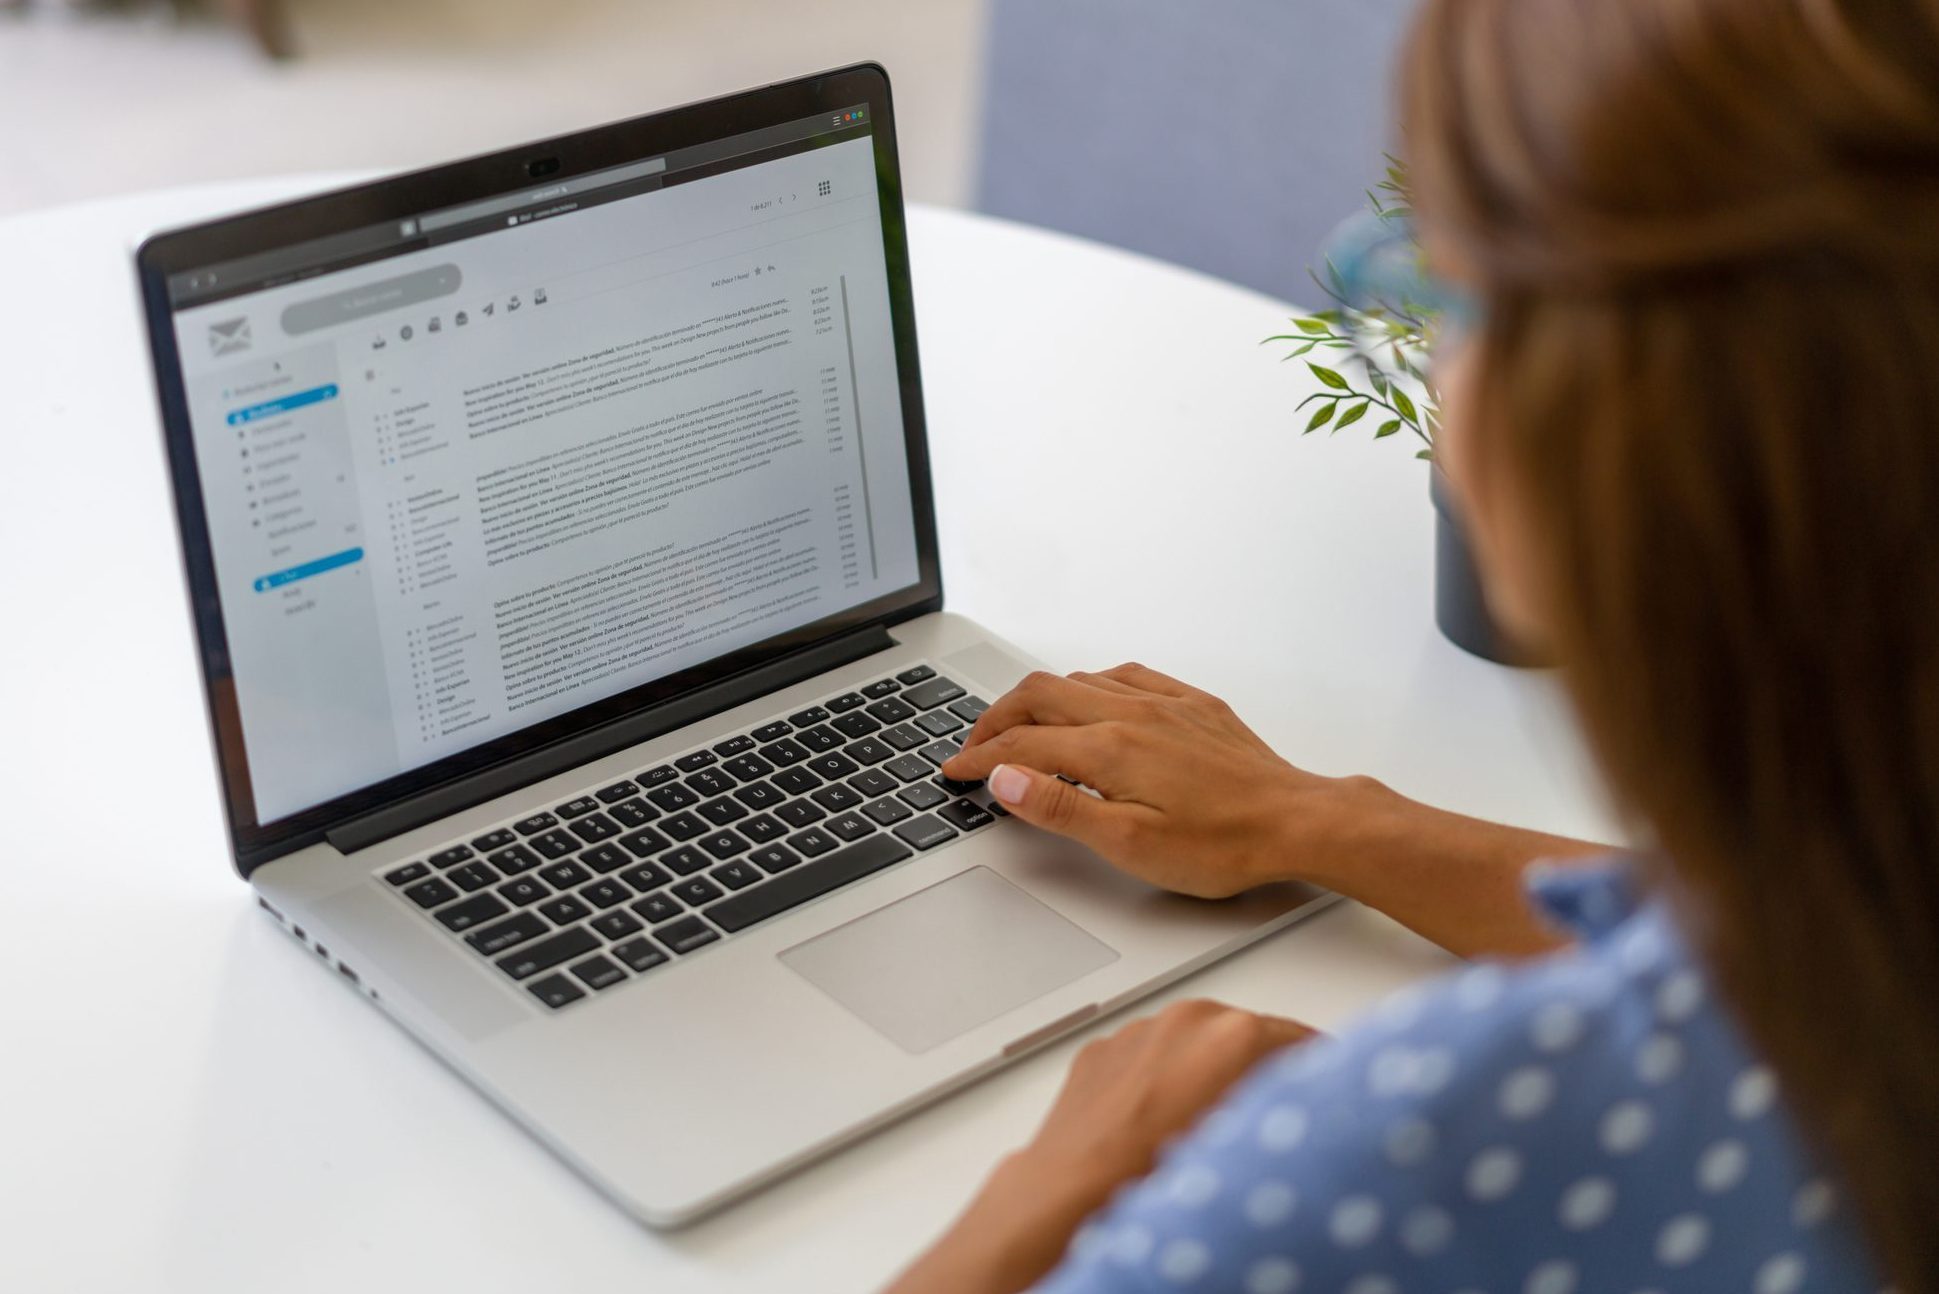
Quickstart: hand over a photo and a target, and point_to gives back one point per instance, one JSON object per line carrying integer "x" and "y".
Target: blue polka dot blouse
{"x": 1589, "y": 1123}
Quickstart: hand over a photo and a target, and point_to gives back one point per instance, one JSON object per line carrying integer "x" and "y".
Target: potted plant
{"x": 1379, "y": 375}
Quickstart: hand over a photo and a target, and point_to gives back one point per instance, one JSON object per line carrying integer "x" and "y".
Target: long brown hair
{"x": 1707, "y": 234}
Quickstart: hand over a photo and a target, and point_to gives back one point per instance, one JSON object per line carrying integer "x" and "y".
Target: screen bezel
{"x": 408, "y": 195}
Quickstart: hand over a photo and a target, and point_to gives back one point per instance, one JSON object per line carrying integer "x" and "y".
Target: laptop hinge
{"x": 442, "y": 801}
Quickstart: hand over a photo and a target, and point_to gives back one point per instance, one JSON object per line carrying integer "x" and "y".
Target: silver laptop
{"x": 559, "y": 534}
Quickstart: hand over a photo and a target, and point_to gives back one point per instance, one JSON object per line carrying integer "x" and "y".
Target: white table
{"x": 187, "y": 1103}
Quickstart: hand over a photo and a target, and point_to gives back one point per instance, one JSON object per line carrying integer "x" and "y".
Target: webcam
{"x": 541, "y": 166}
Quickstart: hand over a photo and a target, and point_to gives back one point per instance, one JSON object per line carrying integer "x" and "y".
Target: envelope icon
{"x": 228, "y": 336}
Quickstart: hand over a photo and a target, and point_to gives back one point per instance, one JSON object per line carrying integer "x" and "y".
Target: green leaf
{"x": 1353, "y": 415}
{"x": 1327, "y": 376}
{"x": 1405, "y": 406}
{"x": 1387, "y": 429}
{"x": 1424, "y": 453}
{"x": 1379, "y": 381}
{"x": 1311, "y": 327}
{"x": 1321, "y": 416}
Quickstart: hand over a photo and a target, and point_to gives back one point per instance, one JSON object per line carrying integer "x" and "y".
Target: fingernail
{"x": 1008, "y": 784}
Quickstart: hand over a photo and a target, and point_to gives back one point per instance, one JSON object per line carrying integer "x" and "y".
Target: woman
{"x": 1691, "y": 419}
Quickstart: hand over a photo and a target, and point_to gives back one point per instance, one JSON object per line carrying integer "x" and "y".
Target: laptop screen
{"x": 486, "y": 465}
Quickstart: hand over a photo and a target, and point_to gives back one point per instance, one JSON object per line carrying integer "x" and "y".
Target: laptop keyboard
{"x": 632, "y": 875}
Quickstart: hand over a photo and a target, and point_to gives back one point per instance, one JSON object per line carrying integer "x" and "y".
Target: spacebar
{"x": 811, "y": 880}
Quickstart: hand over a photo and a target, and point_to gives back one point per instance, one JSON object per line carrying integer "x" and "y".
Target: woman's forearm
{"x": 1452, "y": 879}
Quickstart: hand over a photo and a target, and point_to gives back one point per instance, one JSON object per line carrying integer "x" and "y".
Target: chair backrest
{"x": 1227, "y": 135}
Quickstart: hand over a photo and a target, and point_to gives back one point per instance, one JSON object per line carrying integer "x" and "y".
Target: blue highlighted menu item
{"x": 271, "y": 408}
{"x": 264, "y": 583}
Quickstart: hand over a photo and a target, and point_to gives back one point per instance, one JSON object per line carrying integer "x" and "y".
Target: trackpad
{"x": 942, "y": 961}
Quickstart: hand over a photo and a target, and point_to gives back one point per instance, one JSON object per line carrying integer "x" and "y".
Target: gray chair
{"x": 1227, "y": 135}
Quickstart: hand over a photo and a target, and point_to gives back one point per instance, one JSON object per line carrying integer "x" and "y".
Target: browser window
{"x": 461, "y": 488}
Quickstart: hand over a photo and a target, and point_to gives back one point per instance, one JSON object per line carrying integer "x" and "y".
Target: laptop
{"x": 560, "y": 541}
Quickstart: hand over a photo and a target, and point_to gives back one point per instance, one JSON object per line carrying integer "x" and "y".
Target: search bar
{"x": 545, "y": 193}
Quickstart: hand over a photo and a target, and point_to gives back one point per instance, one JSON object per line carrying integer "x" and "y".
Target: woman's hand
{"x": 1126, "y": 1096}
{"x": 1189, "y": 798}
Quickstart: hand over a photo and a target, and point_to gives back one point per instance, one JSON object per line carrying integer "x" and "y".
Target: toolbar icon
{"x": 512, "y": 304}
{"x": 436, "y": 325}
{"x": 538, "y": 296}
{"x": 405, "y": 333}
{"x": 461, "y": 319}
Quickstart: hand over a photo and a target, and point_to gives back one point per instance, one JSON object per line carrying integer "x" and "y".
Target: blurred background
{"x": 1227, "y": 135}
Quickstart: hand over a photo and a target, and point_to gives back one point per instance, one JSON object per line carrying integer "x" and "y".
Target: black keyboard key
{"x": 871, "y": 782}
{"x": 556, "y": 991}
{"x": 836, "y": 798}
{"x": 508, "y": 933}
{"x": 820, "y": 739}
{"x": 639, "y": 954}
{"x": 934, "y": 692}
{"x": 880, "y": 688}
{"x": 595, "y": 827}
{"x": 605, "y": 859}
{"x": 710, "y": 782}
{"x": 799, "y": 813}
{"x": 564, "y": 910}
{"x": 812, "y": 715}
{"x": 909, "y": 768}
{"x": 969, "y": 709}
{"x": 965, "y": 815}
{"x": 759, "y": 795}
{"x": 473, "y": 911}
{"x": 915, "y": 674}
{"x": 699, "y": 759}
{"x": 772, "y": 731}
{"x": 408, "y": 873}
{"x": 616, "y": 925}
{"x": 891, "y": 709}
{"x": 923, "y": 795}
{"x": 563, "y": 876}
{"x": 685, "y": 861}
{"x": 733, "y": 746}
{"x": 696, "y": 890}
{"x": 451, "y": 857}
{"x": 633, "y": 813}
{"x": 749, "y": 768}
{"x": 428, "y": 894}
{"x": 598, "y": 973}
{"x": 616, "y": 792}
{"x": 722, "y": 811}
{"x": 737, "y": 875}
{"x": 605, "y": 894}
{"x": 641, "y": 844}
{"x": 939, "y": 752}
{"x": 925, "y": 832}
{"x": 784, "y": 753}
{"x": 514, "y": 860}
{"x": 659, "y": 776}
{"x": 492, "y": 840}
{"x": 761, "y": 828}
{"x": 868, "y": 751}
{"x": 955, "y": 787}
{"x": 555, "y": 844}
{"x": 811, "y": 880}
{"x": 523, "y": 892}
{"x": 659, "y": 907}
{"x": 939, "y": 723}
{"x": 903, "y": 737}
{"x": 473, "y": 876}
{"x": 686, "y": 934}
{"x": 723, "y": 844}
{"x": 536, "y": 823}
{"x": 855, "y": 725}
{"x": 888, "y": 810}
{"x": 832, "y": 766}
{"x": 544, "y": 954}
{"x": 646, "y": 877}
{"x": 672, "y": 796}
{"x": 775, "y": 858}
{"x": 576, "y": 808}
{"x": 795, "y": 781}
{"x": 683, "y": 826}
{"x": 849, "y": 826}
{"x": 812, "y": 842}
{"x": 846, "y": 701}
